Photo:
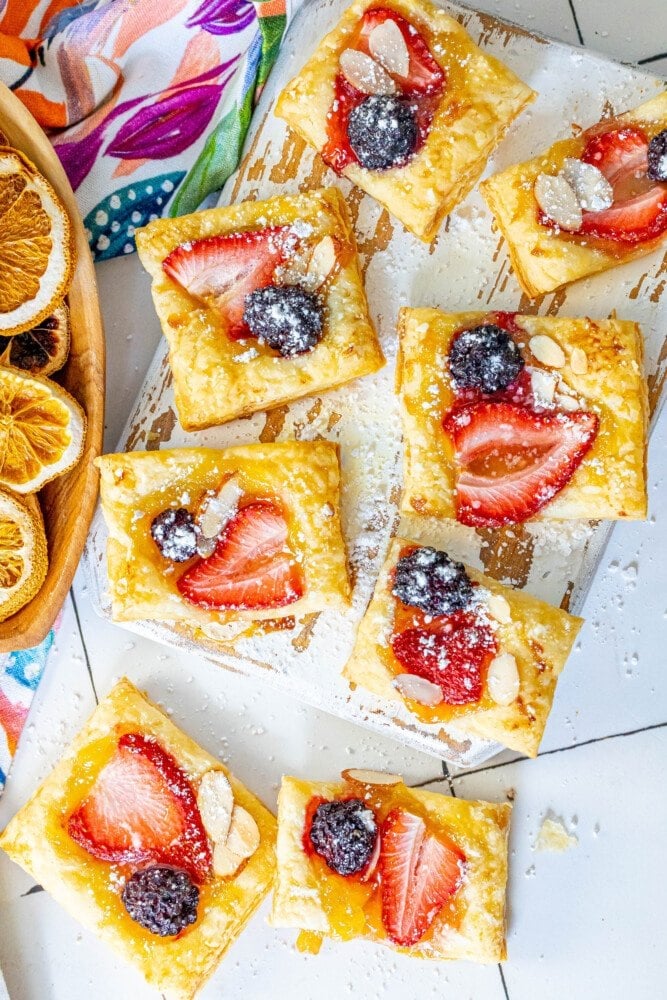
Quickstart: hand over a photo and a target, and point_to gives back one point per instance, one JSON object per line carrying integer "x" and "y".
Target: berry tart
{"x": 400, "y": 100}
{"x": 261, "y": 303}
{"x": 458, "y": 648}
{"x": 149, "y": 842}
{"x": 368, "y": 857}
{"x": 509, "y": 417}
{"x": 589, "y": 203}
{"x": 218, "y": 538}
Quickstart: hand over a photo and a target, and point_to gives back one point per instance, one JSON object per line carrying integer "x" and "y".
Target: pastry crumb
{"x": 553, "y": 836}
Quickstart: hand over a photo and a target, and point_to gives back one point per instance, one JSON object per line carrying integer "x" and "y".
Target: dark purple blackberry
{"x": 161, "y": 899}
{"x": 657, "y": 157}
{"x": 428, "y": 579}
{"x": 383, "y": 131}
{"x": 287, "y": 318}
{"x": 485, "y": 358}
{"x": 175, "y": 534}
{"x": 344, "y": 834}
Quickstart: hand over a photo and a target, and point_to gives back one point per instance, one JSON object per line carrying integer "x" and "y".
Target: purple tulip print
{"x": 167, "y": 127}
{"x": 222, "y": 17}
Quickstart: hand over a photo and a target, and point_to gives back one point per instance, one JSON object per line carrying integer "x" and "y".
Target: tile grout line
{"x": 83, "y": 645}
{"x": 576, "y": 22}
{"x": 652, "y": 59}
{"x": 502, "y": 980}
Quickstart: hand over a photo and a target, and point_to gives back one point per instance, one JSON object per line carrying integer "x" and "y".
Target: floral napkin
{"x": 147, "y": 103}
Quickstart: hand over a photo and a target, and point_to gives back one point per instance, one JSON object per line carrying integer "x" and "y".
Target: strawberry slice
{"x": 512, "y": 460}
{"x": 639, "y": 210}
{"x": 453, "y": 653}
{"x": 424, "y": 83}
{"x": 251, "y": 568}
{"x": 223, "y": 270}
{"x": 143, "y": 808}
{"x": 420, "y": 873}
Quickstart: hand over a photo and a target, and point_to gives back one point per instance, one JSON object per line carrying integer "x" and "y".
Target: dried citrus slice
{"x": 23, "y": 554}
{"x": 42, "y": 350}
{"x": 42, "y": 429}
{"x": 36, "y": 259}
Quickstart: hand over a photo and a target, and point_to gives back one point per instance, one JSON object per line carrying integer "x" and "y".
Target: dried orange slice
{"x": 36, "y": 258}
{"x": 42, "y": 350}
{"x": 42, "y": 430}
{"x": 23, "y": 553}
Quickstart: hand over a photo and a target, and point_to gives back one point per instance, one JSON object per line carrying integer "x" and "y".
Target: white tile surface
{"x": 585, "y": 925}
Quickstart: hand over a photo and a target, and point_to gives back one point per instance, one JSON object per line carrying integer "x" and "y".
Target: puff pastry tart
{"x": 587, "y": 204}
{"x": 368, "y": 857}
{"x": 203, "y": 537}
{"x": 261, "y": 303}
{"x": 149, "y": 842}
{"x": 457, "y": 647}
{"x": 509, "y": 417}
{"x": 400, "y": 100}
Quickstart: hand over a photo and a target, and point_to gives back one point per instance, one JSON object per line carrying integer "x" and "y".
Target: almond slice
{"x": 503, "y": 679}
{"x": 365, "y": 74}
{"x": 579, "y": 361}
{"x": 368, "y": 777}
{"x": 225, "y": 862}
{"x": 543, "y": 385}
{"x": 322, "y": 262}
{"x": 558, "y": 201}
{"x": 499, "y": 609}
{"x": 418, "y": 689}
{"x": 547, "y": 351}
{"x": 387, "y": 45}
{"x": 215, "y": 801}
{"x": 243, "y": 837}
{"x": 568, "y": 403}
{"x": 593, "y": 190}
{"x": 215, "y": 512}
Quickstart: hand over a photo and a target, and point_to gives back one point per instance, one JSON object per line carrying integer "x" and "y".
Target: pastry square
{"x": 292, "y": 486}
{"x": 577, "y": 367}
{"x": 217, "y": 376}
{"x": 312, "y": 896}
{"x": 545, "y": 257}
{"x": 497, "y": 664}
{"x": 90, "y": 889}
{"x": 479, "y": 99}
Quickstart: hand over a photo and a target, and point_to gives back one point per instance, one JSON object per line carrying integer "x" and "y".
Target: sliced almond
{"x": 503, "y": 679}
{"x": 215, "y": 512}
{"x": 568, "y": 403}
{"x": 558, "y": 201}
{"x": 418, "y": 689}
{"x": 243, "y": 837}
{"x": 387, "y": 45}
{"x": 499, "y": 609}
{"x": 322, "y": 262}
{"x": 368, "y": 777}
{"x": 225, "y": 862}
{"x": 543, "y": 385}
{"x": 592, "y": 189}
{"x": 215, "y": 801}
{"x": 547, "y": 351}
{"x": 579, "y": 361}
{"x": 365, "y": 73}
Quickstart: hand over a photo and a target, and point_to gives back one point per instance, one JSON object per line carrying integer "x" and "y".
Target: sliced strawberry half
{"x": 453, "y": 653}
{"x": 639, "y": 209}
{"x": 512, "y": 460}
{"x": 251, "y": 568}
{"x": 143, "y": 808}
{"x": 225, "y": 269}
{"x": 424, "y": 83}
{"x": 420, "y": 873}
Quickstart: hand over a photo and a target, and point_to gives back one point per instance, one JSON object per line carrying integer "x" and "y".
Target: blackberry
{"x": 161, "y": 899}
{"x": 657, "y": 157}
{"x": 485, "y": 358}
{"x": 344, "y": 834}
{"x": 175, "y": 534}
{"x": 289, "y": 319}
{"x": 383, "y": 131}
{"x": 428, "y": 579}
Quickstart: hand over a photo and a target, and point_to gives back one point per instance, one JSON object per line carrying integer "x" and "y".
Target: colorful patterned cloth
{"x": 147, "y": 101}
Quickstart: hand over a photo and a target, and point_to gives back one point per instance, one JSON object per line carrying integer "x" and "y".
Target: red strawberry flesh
{"x": 251, "y": 568}
{"x": 225, "y": 269}
{"x": 424, "y": 84}
{"x": 142, "y": 808}
{"x": 512, "y": 460}
{"x": 420, "y": 873}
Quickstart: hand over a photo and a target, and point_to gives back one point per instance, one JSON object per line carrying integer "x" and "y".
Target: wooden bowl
{"x": 68, "y": 502}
